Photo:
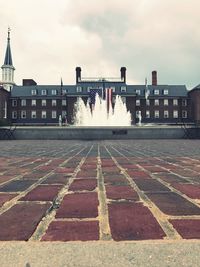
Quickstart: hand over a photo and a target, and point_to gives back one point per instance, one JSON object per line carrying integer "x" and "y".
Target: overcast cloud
{"x": 49, "y": 38}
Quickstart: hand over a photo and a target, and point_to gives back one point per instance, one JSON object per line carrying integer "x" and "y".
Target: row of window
{"x": 23, "y": 114}
{"x": 64, "y": 102}
{"x": 165, "y": 102}
{"x": 79, "y": 89}
{"x": 34, "y": 102}
{"x": 156, "y": 114}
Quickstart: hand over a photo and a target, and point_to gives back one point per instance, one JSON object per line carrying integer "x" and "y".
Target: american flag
{"x": 93, "y": 93}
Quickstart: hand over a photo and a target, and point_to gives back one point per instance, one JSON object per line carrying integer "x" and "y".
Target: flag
{"x": 93, "y": 93}
{"x": 147, "y": 92}
{"x": 108, "y": 98}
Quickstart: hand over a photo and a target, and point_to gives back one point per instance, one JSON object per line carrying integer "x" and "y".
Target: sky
{"x": 50, "y": 38}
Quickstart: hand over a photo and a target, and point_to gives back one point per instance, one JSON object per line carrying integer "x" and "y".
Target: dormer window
{"x": 156, "y": 92}
{"x": 78, "y": 89}
{"x": 54, "y": 92}
{"x": 166, "y": 92}
{"x": 123, "y": 89}
{"x": 138, "y": 92}
{"x": 44, "y": 92}
{"x": 33, "y": 92}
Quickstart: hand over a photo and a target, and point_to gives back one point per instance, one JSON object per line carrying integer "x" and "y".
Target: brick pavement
{"x": 108, "y": 190}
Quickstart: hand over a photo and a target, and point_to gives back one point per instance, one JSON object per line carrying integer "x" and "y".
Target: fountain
{"x": 100, "y": 115}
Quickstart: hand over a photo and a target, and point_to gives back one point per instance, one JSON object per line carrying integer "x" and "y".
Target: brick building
{"x": 30, "y": 103}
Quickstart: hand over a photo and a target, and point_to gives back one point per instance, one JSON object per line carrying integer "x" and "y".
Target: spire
{"x": 8, "y": 56}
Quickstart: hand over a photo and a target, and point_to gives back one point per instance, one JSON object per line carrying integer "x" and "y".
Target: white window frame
{"x": 79, "y": 89}
{"x": 23, "y": 102}
{"x": 33, "y": 114}
{"x": 113, "y": 89}
{"x": 165, "y": 92}
{"x": 175, "y": 102}
{"x": 64, "y": 102}
{"x": 54, "y": 114}
{"x": 166, "y": 102}
{"x": 54, "y": 102}
{"x": 147, "y": 102}
{"x": 23, "y": 114}
{"x": 184, "y": 114}
{"x": 123, "y": 89}
{"x": 14, "y": 114}
{"x": 184, "y": 102}
{"x": 123, "y": 98}
{"x": 44, "y": 102}
{"x": 175, "y": 114}
{"x": 14, "y": 102}
{"x": 156, "y": 102}
{"x": 138, "y": 91}
{"x": 137, "y": 102}
{"x": 166, "y": 114}
{"x": 43, "y": 114}
{"x": 148, "y": 115}
{"x": 156, "y": 92}
{"x": 44, "y": 92}
{"x": 33, "y": 92}
{"x": 53, "y": 92}
{"x": 156, "y": 114}
{"x": 33, "y": 102}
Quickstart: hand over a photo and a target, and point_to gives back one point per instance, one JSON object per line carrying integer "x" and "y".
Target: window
{"x": 166, "y": 92}
{"x": 184, "y": 114}
{"x": 113, "y": 99}
{"x": 33, "y": 102}
{"x": 44, "y": 114}
{"x": 54, "y": 102}
{"x": 23, "y": 102}
{"x": 64, "y": 91}
{"x": 175, "y": 102}
{"x": 89, "y": 88}
{"x": 138, "y": 92}
{"x": 23, "y": 114}
{"x": 33, "y": 114}
{"x": 44, "y": 102}
{"x": 166, "y": 102}
{"x": 78, "y": 89}
{"x": 147, "y": 114}
{"x": 113, "y": 89}
{"x": 54, "y": 92}
{"x": 64, "y": 102}
{"x": 147, "y": 102}
{"x": 54, "y": 114}
{"x": 64, "y": 113}
{"x": 137, "y": 102}
{"x": 156, "y": 92}
{"x": 184, "y": 102}
{"x": 34, "y": 92}
{"x": 156, "y": 114}
{"x": 14, "y": 114}
{"x": 175, "y": 114}
{"x": 44, "y": 92}
{"x": 166, "y": 114}
{"x": 123, "y": 89}
{"x": 14, "y": 103}
{"x": 156, "y": 102}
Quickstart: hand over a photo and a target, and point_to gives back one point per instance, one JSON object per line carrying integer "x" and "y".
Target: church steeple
{"x": 8, "y": 68}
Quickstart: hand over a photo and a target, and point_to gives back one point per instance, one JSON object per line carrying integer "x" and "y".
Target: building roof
{"x": 71, "y": 90}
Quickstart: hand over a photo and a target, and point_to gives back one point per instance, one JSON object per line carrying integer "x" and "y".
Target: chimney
{"x": 28, "y": 82}
{"x": 78, "y": 74}
{"x": 154, "y": 77}
{"x": 123, "y": 74}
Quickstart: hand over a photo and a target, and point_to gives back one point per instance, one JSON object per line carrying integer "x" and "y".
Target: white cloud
{"x": 50, "y": 38}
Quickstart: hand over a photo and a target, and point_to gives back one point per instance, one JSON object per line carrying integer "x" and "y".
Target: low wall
{"x": 103, "y": 133}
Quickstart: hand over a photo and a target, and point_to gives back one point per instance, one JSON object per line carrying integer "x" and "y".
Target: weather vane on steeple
{"x": 9, "y": 30}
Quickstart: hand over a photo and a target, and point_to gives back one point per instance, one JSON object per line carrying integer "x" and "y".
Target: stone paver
{"x": 108, "y": 190}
